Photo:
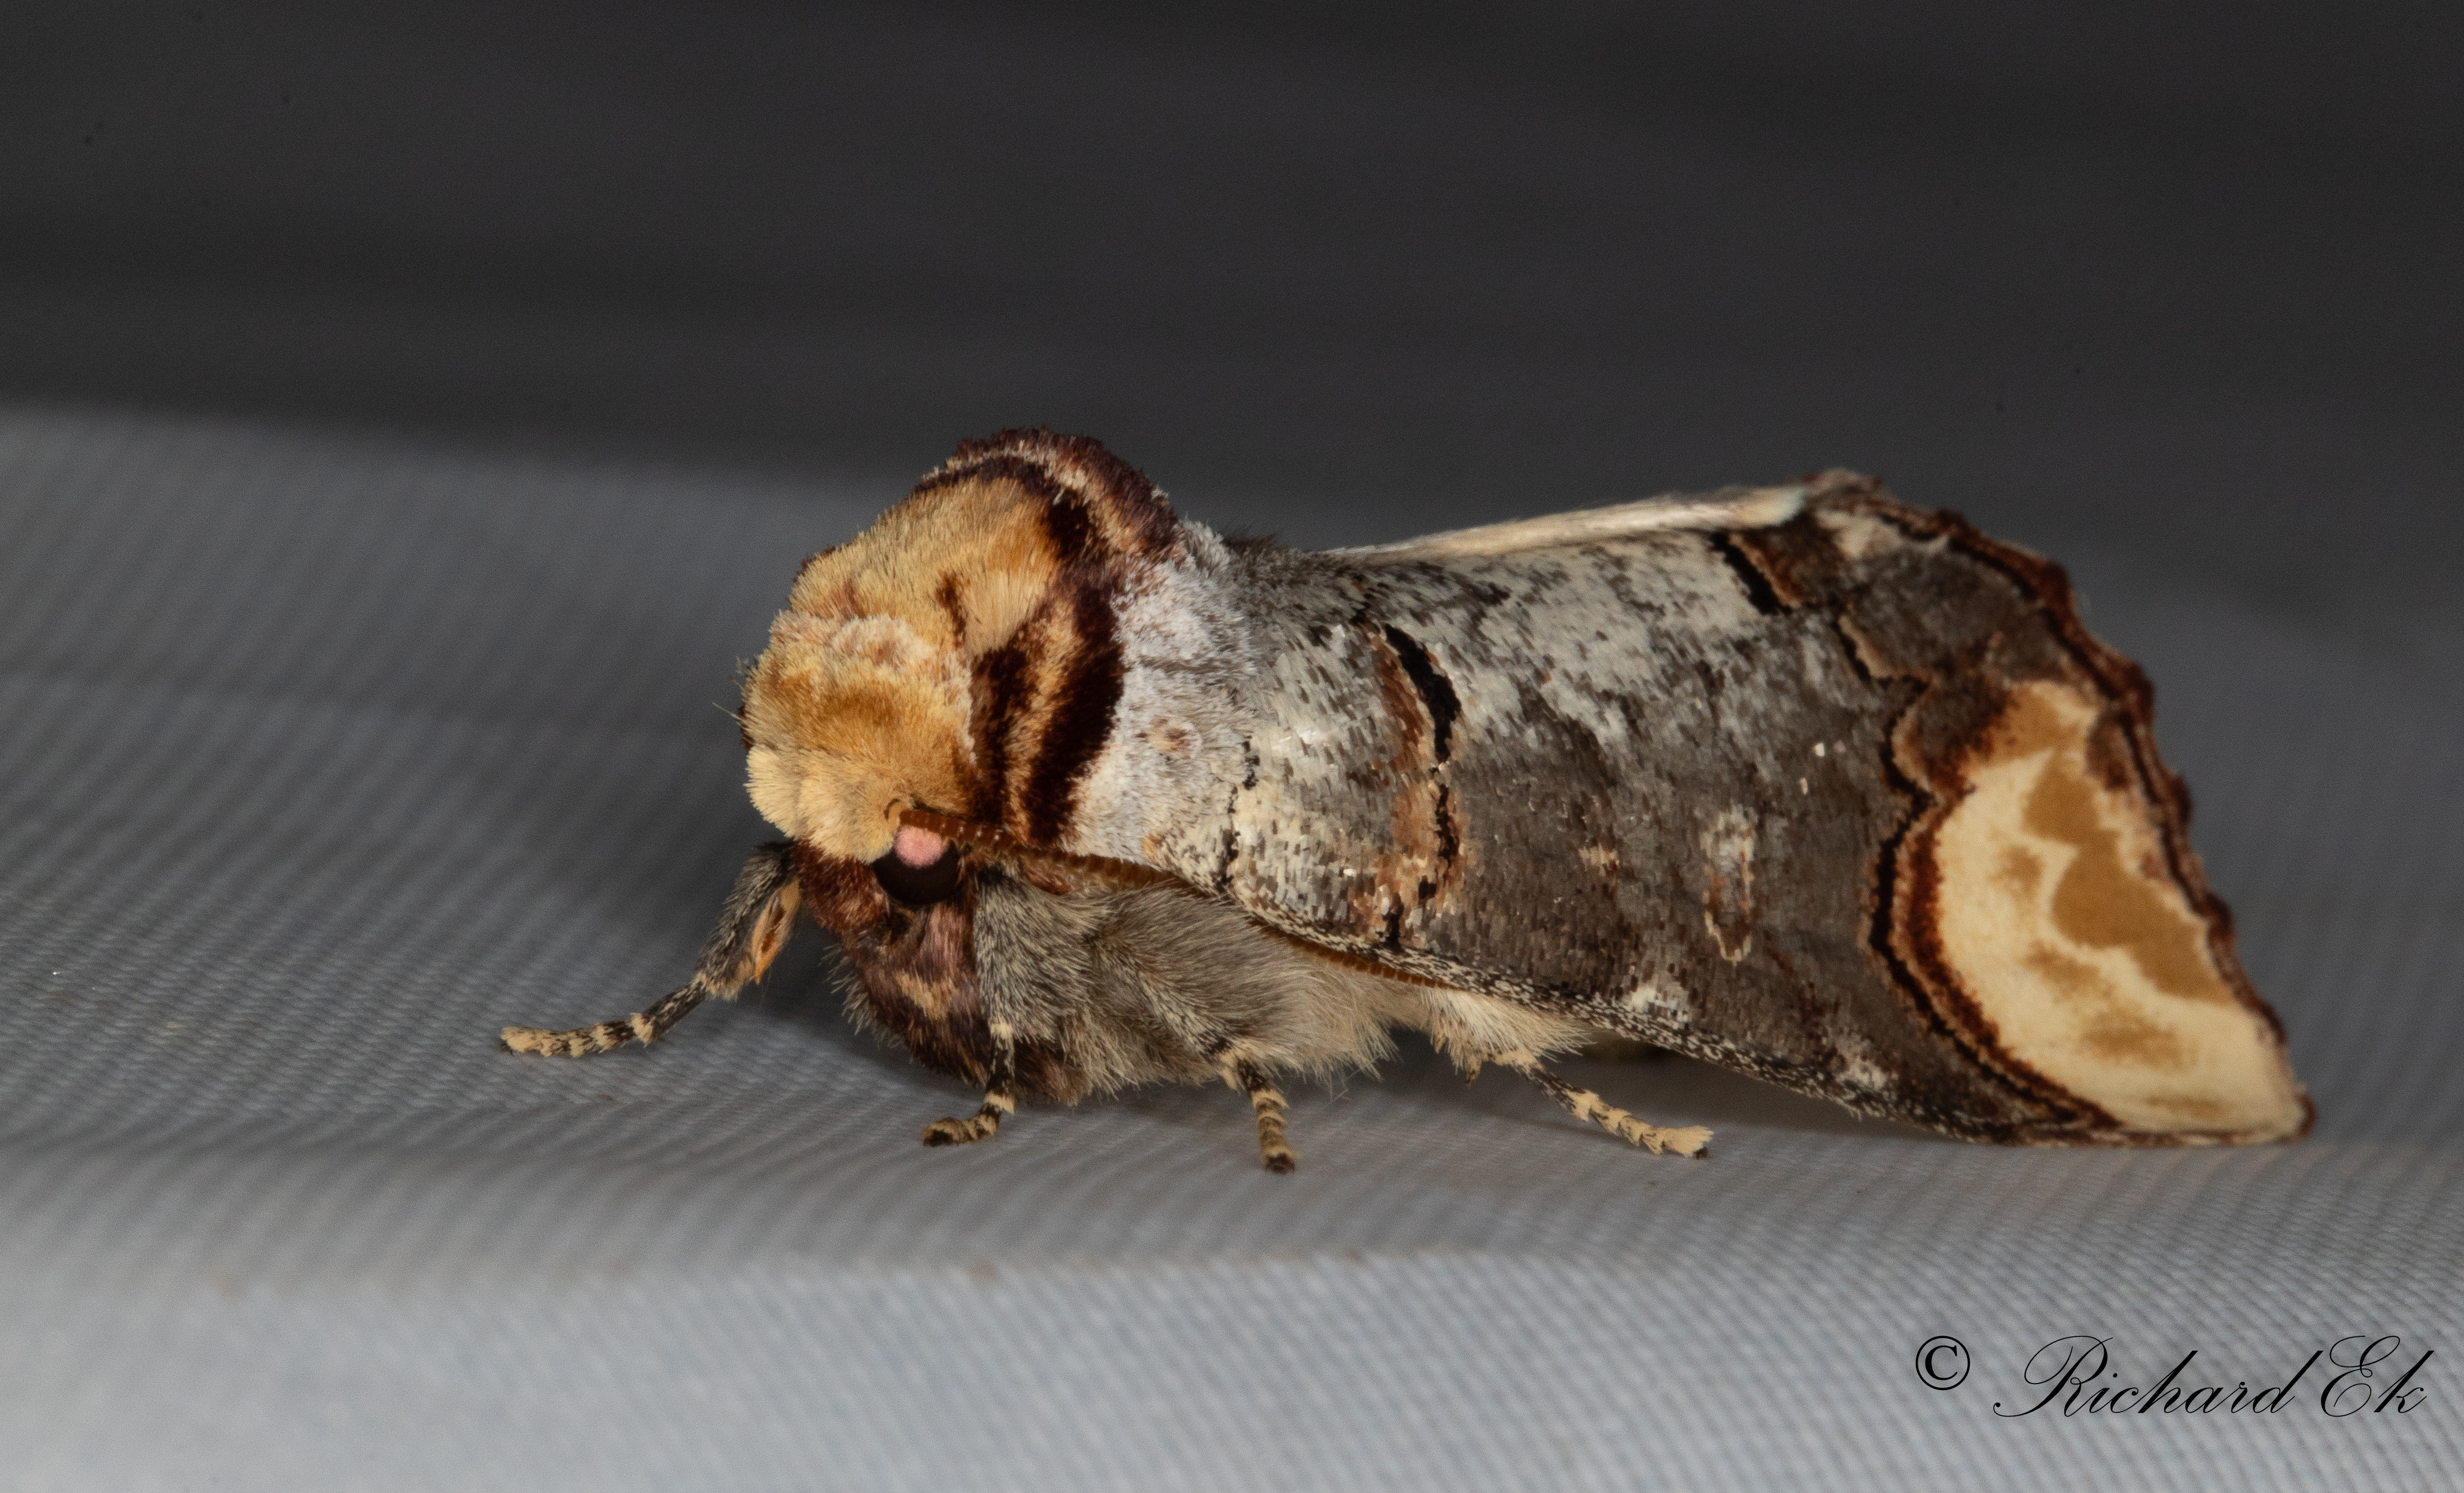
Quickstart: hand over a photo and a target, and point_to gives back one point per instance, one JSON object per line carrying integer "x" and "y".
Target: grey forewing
{"x": 1623, "y": 781}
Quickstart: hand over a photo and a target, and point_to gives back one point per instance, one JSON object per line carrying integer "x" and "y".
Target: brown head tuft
{"x": 959, "y": 656}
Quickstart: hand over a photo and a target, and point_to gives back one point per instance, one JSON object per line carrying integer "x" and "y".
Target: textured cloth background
{"x": 322, "y": 755}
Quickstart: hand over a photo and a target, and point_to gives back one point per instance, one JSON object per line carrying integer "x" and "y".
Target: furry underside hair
{"x": 1147, "y": 983}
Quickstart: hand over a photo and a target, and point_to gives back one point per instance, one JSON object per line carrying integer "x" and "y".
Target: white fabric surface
{"x": 323, "y": 757}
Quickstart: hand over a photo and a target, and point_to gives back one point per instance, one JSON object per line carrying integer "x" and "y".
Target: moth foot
{"x": 1687, "y": 1141}
{"x": 960, "y": 1133}
{"x": 1267, "y": 1101}
{"x": 1684, "y": 1141}
{"x": 576, "y": 1042}
{"x": 982, "y": 1125}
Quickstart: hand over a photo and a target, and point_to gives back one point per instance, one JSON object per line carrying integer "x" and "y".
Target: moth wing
{"x": 1850, "y": 801}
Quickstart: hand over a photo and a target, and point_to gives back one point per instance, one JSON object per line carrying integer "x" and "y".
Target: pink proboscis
{"x": 918, "y": 847}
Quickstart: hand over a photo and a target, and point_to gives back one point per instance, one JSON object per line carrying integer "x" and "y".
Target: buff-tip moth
{"x": 1797, "y": 780}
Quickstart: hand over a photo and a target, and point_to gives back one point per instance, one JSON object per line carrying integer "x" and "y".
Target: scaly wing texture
{"x": 1851, "y": 801}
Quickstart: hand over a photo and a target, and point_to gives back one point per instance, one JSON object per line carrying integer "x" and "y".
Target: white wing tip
{"x": 1763, "y": 507}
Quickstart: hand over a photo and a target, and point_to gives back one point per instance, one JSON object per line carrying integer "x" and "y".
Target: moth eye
{"x": 919, "y": 870}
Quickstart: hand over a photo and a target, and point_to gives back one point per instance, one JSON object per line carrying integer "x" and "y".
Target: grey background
{"x": 406, "y": 423}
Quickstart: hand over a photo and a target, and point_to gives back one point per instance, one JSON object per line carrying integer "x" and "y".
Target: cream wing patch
{"x": 2056, "y": 913}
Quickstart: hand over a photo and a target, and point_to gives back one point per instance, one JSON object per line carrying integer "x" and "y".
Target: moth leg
{"x": 1687, "y": 1141}
{"x": 752, "y": 927}
{"x": 1001, "y": 1097}
{"x": 1247, "y": 1077}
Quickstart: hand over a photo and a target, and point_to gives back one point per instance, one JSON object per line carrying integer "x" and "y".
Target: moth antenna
{"x": 1102, "y": 870}
{"x": 752, "y": 927}
{"x": 1687, "y": 1141}
{"x": 1001, "y": 1097}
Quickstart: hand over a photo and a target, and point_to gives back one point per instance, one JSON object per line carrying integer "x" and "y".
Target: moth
{"x": 1795, "y": 779}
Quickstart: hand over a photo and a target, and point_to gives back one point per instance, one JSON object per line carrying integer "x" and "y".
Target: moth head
{"x": 851, "y": 719}
{"x": 917, "y": 667}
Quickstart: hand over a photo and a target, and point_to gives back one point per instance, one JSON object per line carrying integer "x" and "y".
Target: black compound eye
{"x": 919, "y": 886}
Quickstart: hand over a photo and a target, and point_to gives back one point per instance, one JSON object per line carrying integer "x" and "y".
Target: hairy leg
{"x": 1001, "y": 1097}
{"x": 1687, "y": 1141}
{"x": 751, "y": 929}
{"x": 1247, "y": 1077}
